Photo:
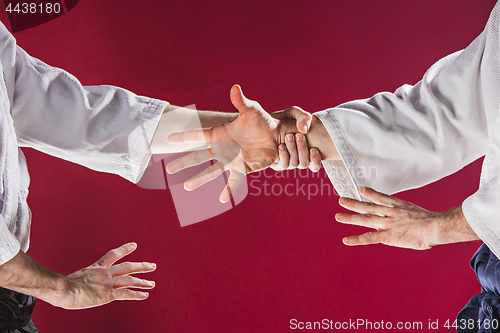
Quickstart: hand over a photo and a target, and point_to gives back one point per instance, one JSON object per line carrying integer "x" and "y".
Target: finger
{"x": 378, "y": 197}
{"x": 292, "y": 151}
{"x": 284, "y": 158}
{"x": 197, "y": 135}
{"x": 374, "y": 237}
{"x": 189, "y": 160}
{"x": 301, "y": 143}
{"x": 303, "y": 118}
{"x": 275, "y": 166}
{"x": 126, "y": 268}
{"x": 233, "y": 182}
{"x": 364, "y": 220}
{"x": 206, "y": 175}
{"x": 315, "y": 160}
{"x": 127, "y": 294}
{"x": 116, "y": 254}
{"x": 132, "y": 282}
{"x": 242, "y": 103}
{"x": 364, "y": 207}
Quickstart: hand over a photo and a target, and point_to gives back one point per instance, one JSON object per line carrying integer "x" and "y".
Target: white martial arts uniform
{"x": 421, "y": 133}
{"x": 104, "y": 128}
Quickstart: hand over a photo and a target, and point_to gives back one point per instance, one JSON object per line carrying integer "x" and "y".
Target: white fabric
{"x": 104, "y": 128}
{"x": 421, "y": 133}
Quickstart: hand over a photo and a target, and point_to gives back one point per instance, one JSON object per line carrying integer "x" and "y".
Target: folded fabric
{"x": 482, "y": 313}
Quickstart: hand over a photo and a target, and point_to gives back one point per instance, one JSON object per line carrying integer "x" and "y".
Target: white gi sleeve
{"x": 9, "y": 245}
{"x": 104, "y": 128}
{"x": 421, "y": 133}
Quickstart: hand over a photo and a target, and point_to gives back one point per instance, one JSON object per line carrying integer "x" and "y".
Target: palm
{"x": 247, "y": 144}
{"x": 255, "y": 133}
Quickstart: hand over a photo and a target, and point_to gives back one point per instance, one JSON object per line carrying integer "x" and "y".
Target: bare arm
{"x": 207, "y": 118}
{"x": 97, "y": 284}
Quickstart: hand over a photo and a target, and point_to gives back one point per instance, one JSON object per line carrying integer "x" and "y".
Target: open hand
{"x": 247, "y": 144}
{"x": 398, "y": 223}
{"x": 103, "y": 282}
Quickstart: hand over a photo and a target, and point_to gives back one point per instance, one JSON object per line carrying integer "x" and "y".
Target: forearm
{"x": 25, "y": 275}
{"x": 452, "y": 227}
{"x": 179, "y": 119}
{"x": 207, "y": 118}
{"x": 318, "y": 137}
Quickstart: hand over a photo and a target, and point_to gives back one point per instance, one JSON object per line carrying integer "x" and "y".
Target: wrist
{"x": 57, "y": 291}
{"x": 452, "y": 227}
{"x": 319, "y": 138}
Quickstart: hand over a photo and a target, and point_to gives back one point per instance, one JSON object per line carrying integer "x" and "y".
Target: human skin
{"x": 97, "y": 284}
{"x": 397, "y": 222}
{"x": 105, "y": 281}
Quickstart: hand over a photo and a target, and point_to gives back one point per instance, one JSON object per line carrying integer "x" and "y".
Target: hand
{"x": 245, "y": 145}
{"x": 103, "y": 282}
{"x": 303, "y": 118}
{"x": 403, "y": 224}
{"x": 294, "y": 154}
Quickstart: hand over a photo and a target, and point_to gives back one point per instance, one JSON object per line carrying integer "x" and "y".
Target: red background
{"x": 272, "y": 258}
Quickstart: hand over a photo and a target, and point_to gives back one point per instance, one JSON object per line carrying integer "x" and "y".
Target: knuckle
{"x": 178, "y": 164}
{"x": 127, "y": 265}
{"x": 115, "y": 252}
{"x": 301, "y": 146}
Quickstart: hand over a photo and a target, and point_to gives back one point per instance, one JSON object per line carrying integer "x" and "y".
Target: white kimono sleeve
{"x": 421, "y": 133}
{"x": 104, "y": 128}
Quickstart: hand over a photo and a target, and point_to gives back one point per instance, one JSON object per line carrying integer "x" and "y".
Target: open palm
{"x": 248, "y": 144}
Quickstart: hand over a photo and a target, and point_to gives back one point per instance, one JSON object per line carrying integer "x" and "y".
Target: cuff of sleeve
{"x": 140, "y": 139}
{"x": 342, "y": 173}
{"x": 480, "y": 227}
{"x": 9, "y": 245}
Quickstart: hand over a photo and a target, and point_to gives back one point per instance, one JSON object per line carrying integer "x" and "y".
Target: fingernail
{"x": 299, "y": 136}
{"x": 314, "y": 152}
{"x": 145, "y": 294}
{"x": 134, "y": 245}
{"x": 304, "y": 128}
{"x": 361, "y": 189}
{"x": 281, "y": 147}
{"x": 153, "y": 265}
{"x": 339, "y": 216}
{"x": 289, "y": 137}
{"x": 152, "y": 283}
{"x": 343, "y": 200}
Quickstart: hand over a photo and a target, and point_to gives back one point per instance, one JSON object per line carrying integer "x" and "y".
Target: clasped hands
{"x": 256, "y": 140}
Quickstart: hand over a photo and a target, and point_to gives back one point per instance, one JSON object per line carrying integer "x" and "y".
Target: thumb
{"x": 303, "y": 118}
{"x": 242, "y": 103}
